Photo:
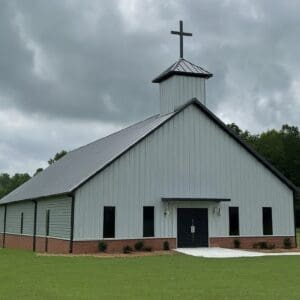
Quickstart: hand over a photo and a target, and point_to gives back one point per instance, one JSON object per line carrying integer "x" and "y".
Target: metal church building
{"x": 180, "y": 176}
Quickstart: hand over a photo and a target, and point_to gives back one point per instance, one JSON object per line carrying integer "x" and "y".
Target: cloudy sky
{"x": 74, "y": 71}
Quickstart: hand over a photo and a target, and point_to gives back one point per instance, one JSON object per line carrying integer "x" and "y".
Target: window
{"x": 267, "y": 221}
{"x": 148, "y": 221}
{"x": 47, "y": 222}
{"x": 109, "y": 222}
{"x": 234, "y": 224}
{"x": 22, "y": 223}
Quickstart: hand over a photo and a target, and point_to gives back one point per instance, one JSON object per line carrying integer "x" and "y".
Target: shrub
{"x": 237, "y": 243}
{"x": 102, "y": 246}
{"x": 287, "y": 243}
{"x": 138, "y": 246}
{"x": 263, "y": 245}
{"x": 271, "y": 246}
{"x": 166, "y": 245}
{"x": 127, "y": 249}
{"x": 148, "y": 249}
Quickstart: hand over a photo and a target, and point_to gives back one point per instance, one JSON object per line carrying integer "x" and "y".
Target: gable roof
{"x": 80, "y": 165}
{"x": 182, "y": 67}
{"x": 77, "y": 166}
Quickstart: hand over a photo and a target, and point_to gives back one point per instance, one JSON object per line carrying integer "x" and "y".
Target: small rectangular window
{"x": 109, "y": 222}
{"x": 47, "y": 222}
{"x": 148, "y": 221}
{"x": 267, "y": 221}
{"x": 234, "y": 223}
{"x": 22, "y": 223}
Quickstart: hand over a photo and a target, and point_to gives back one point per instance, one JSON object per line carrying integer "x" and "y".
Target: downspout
{"x": 34, "y": 226}
{"x": 72, "y": 223}
{"x": 4, "y": 227}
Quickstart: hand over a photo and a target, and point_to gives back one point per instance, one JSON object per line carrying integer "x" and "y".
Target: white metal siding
{"x": 189, "y": 156}
{"x": 13, "y": 217}
{"x": 60, "y": 217}
{"x": 2, "y": 208}
{"x": 177, "y": 90}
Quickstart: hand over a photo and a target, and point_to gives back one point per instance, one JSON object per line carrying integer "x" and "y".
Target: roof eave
{"x": 163, "y": 77}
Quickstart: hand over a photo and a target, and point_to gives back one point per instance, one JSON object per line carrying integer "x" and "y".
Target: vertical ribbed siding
{"x": 177, "y": 90}
{"x": 2, "y": 208}
{"x": 60, "y": 217}
{"x": 189, "y": 156}
{"x": 13, "y": 217}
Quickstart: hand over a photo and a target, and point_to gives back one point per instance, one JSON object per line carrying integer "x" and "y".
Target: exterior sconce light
{"x": 217, "y": 211}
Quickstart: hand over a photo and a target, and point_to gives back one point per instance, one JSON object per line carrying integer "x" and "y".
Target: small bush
{"x": 148, "y": 249}
{"x": 102, "y": 246}
{"x": 287, "y": 243}
{"x": 263, "y": 245}
{"x": 166, "y": 245}
{"x": 237, "y": 243}
{"x": 127, "y": 249}
{"x": 138, "y": 246}
{"x": 271, "y": 246}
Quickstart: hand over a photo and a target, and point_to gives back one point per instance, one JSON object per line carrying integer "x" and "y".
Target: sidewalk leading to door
{"x": 215, "y": 252}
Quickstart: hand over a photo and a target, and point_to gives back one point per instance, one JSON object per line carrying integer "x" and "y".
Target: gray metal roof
{"x": 76, "y": 167}
{"x": 183, "y": 67}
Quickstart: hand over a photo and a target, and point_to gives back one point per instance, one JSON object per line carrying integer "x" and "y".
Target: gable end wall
{"x": 189, "y": 156}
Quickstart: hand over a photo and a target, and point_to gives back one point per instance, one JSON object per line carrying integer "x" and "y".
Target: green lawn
{"x": 27, "y": 276}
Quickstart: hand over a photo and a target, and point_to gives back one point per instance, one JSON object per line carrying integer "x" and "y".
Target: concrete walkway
{"x": 215, "y": 252}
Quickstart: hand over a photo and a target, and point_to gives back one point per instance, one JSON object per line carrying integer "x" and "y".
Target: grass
{"x": 27, "y": 276}
{"x": 298, "y": 237}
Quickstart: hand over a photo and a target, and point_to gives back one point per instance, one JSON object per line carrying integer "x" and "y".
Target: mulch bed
{"x": 112, "y": 255}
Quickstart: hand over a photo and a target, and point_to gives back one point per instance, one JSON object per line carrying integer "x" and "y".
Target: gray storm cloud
{"x": 73, "y": 71}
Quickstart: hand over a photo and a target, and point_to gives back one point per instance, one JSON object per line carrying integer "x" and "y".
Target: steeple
{"x": 182, "y": 81}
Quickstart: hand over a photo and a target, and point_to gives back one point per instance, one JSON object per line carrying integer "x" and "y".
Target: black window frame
{"x": 22, "y": 223}
{"x": 109, "y": 223}
{"x": 234, "y": 220}
{"x": 267, "y": 220}
{"x": 148, "y": 225}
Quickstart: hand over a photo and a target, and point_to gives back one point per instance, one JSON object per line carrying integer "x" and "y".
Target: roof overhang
{"x": 193, "y": 199}
{"x": 163, "y": 77}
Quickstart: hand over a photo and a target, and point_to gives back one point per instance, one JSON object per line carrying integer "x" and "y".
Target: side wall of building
{"x": 58, "y": 239}
{"x": 189, "y": 156}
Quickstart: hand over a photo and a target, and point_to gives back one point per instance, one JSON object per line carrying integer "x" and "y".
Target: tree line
{"x": 280, "y": 147}
{"x": 9, "y": 183}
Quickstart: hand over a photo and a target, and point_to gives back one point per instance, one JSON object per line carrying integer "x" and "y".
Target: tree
{"x": 57, "y": 156}
{"x": 280, "y": 147}
{"x": 9, "y": 183}
{"x": 39, "y": 170}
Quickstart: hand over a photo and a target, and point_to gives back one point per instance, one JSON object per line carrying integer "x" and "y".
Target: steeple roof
{"x": 183, "y": 67}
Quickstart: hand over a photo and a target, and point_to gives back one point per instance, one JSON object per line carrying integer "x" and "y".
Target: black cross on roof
{"x": 181, "y": 34}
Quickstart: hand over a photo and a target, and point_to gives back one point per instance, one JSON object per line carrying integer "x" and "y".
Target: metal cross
{"x": 181, "y": 34}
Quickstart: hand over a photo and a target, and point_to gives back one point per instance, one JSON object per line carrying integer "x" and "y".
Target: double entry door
{"x": 192, "y": 227}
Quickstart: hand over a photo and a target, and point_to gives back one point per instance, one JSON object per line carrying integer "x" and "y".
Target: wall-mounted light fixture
{"x": 217, "y": 211}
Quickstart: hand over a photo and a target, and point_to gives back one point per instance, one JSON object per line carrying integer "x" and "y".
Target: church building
{"x": 180, "y": 176}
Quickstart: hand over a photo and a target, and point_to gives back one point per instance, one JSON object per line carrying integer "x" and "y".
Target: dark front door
{"x": 192, "y": 227}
